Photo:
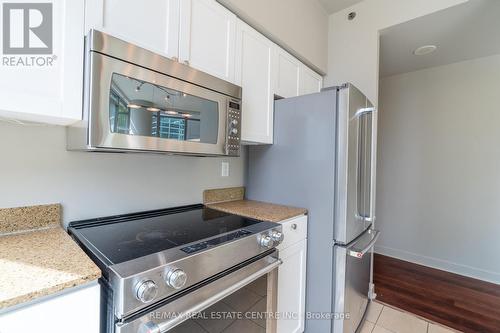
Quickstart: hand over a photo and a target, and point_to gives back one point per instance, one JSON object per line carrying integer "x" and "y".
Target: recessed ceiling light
{"x": 139, "y": 104}
{"x": 426, "y": 49}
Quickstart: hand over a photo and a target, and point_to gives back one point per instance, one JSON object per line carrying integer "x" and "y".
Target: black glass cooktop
{"x": 126, "y": 237}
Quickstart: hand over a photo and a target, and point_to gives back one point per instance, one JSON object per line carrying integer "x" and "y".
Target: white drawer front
{"x": 294, "y": 230}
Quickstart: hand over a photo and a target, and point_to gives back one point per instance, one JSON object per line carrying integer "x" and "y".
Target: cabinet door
{"x": 292, "y": 288}
{"x": 45, "y": 87}
{"x": 151, "y": 24}
{"x": 287, "y": 74}
{"x": 75, "y": 310}
{"x": 207, "y": 37}
{"x": 309, "y": 81}
{"x": 254, "y": 72}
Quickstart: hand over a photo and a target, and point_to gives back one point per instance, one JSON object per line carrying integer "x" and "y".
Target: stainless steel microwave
{"x": 138, "y": 101}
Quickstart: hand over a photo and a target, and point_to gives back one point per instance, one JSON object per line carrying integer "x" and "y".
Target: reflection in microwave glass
{"x": 141, "y": 108}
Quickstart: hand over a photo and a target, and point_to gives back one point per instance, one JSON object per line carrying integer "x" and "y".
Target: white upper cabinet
{"x": 151, "y": 24}
{"x": 200, "y": 33}
{"x": 263, "y": 70}
{"x": 309, "y": 81}
{"x": 287, "y": 74}
{"x": 208, "y": 37}
{"x": 254, "y": 71}
{"x": 293, "y": 78}
{"x": 42, "y": 80}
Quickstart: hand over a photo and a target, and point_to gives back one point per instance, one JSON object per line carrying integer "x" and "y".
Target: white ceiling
{"x": 467, "y": 31}
{"x": 333, "y": 6}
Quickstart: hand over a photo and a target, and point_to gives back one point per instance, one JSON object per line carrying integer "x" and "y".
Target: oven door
{"x": 131, "y": 108}
{"x": 166, "y": 317}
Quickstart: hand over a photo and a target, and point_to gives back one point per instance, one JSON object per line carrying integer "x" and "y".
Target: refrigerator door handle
{"x": 373, "y": 165}
{"x": 370, "y": 217}
{"x": 362, "y": 111}
{"x": 359, "y": 253}
{"x": 365, "y": 218}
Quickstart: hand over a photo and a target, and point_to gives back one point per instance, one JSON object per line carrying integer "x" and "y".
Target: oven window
{"x": 244, "y": 311}
{"x": 141, "y": 108}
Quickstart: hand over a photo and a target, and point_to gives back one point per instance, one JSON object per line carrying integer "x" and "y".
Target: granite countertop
{"x": 40, "y": 258}
{"x": 258, "y": 210}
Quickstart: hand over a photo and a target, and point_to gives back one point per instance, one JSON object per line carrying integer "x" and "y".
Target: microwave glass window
{"x": 141, "y": 108}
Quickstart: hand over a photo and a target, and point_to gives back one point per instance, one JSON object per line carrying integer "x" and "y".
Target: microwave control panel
{"x": 233, "y": 140}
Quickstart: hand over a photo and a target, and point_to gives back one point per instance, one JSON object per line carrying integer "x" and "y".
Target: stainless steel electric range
{"x": 160, "y": 267}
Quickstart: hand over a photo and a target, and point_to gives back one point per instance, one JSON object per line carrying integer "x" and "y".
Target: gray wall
{"x": 35, "y": 168}
{"x": 300, "y": 26}
{"x": 438, "y": 186}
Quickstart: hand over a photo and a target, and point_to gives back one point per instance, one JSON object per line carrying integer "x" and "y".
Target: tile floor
{"x": 385, "y": 319}
{"x": 251, "y": 298}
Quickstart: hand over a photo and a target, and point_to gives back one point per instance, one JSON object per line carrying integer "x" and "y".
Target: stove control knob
{"x": 146, "y": 291}
{"x": 176, "y": 278}
{"x": 234, "y": 122}
{"x": 277, "y": 236}
{"x": 266, "y": 241}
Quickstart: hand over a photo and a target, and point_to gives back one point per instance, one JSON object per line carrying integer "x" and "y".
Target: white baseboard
{"x": 441, "y": 264}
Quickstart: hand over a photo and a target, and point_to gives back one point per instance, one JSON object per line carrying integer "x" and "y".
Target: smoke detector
{"x": 423, "y": 50}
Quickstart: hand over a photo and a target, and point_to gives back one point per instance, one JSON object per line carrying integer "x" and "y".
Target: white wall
{"x": 299, "y": 26}
{"x": 353, "y": 46}
{"x": 438, "y": 186}
{"x": 35, "y": 168}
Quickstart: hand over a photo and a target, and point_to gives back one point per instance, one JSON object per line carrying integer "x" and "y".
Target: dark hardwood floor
{"x": 463, "y": 303}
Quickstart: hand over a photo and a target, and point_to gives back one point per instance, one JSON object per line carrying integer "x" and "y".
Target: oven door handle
{"x": 162, "y": 327}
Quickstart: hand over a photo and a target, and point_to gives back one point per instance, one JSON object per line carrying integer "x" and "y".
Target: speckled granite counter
{"x": 39, "y": 259}
{"x": 258, "y": 210}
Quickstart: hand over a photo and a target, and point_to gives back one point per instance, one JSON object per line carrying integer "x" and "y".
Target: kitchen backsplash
{"x": 223, "y": 194}
{"x": 37, "y": 169}
{"x": 28, "y": 218}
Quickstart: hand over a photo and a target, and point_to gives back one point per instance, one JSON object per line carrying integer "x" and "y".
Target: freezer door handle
{"x": 359, "y": 253}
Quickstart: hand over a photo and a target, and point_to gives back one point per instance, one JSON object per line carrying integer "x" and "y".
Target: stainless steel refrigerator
{"x": 323, "y": 159}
